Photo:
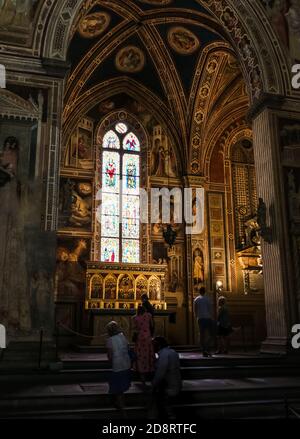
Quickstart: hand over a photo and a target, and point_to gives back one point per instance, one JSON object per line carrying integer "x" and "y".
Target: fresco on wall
{"x": 75, "y": 204}
{"x": 41, "y": 292}
{"x": 79, "y": 153}
{"x": 163, "y": 160}
{"x": 17, "y": 19}
{"x": 70, "y": 267}
{"x": 25, "y": 299}
{"x": 16, "y": 13}
{"x": 285, "y": 18}
{"x": 15, "y": 310}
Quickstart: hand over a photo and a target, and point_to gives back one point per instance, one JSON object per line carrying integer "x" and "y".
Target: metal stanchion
{"x": 57, "y": 341}
{"x": 41, "y": 346}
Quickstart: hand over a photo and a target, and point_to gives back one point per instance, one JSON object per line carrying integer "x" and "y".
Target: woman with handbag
{"x": 224, "y": 328}
{"x": 142, "y": 337}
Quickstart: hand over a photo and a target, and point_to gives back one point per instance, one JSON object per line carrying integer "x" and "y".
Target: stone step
{"x": 270, "y": 409}
{"x": 94, "y": 395}
{"x": 70, "y": 376}
{"x": 187, "y": 361}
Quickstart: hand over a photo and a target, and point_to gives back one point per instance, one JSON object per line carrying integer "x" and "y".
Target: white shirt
{"x": 168, "y": 372}
{"x": 120, "y": 357}
{"x": 202, "y": 307}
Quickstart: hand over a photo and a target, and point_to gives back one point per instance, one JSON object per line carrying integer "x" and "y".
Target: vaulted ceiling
{"x": 170, "y": 56}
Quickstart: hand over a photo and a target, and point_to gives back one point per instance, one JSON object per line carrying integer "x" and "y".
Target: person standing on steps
{"x": 150, "y": 309}
{"x": 118, "y": 355}
{"x": 224, "y": 328}
{"x": 204, "y": 315}
{"x": 145, "y": 356}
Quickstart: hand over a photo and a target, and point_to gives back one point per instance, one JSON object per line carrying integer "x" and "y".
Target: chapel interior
{"x": 121, "y": 97}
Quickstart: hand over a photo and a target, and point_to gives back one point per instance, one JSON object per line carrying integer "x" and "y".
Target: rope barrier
{"x": 78, "y": 333}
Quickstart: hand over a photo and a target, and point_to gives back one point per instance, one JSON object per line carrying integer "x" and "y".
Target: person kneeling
{"x": 167, "y": 382}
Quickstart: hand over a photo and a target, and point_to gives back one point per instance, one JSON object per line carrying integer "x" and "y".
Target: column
{"x": 269, "y": 186}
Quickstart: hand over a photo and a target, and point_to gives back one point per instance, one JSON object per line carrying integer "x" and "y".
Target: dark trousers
{"x": 161, "y": 406}
{"x": 206, "y": 328}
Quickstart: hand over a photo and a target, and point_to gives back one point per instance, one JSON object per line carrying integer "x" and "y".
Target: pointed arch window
{"x": 120, "y": 211}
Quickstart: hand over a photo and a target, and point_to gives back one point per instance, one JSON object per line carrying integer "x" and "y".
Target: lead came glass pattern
{"x": 120, "y": 209}
{"x": 121, "y": 128}
{"x": 111, "y": 140}
{"x": 110, "y": 226}
{"x": 131, "y": 143}
{"x": 131, "y": 207}
{"x": 131, "y": 174}
{"x": 111, "y": 172}
{"x": 111, "y": 204}
{"x": 131, "y": 251}
{"x": 110, "y": 250}
{"x": 131, "y": 228}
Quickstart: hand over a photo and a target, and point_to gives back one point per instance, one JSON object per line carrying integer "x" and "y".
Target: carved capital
{"x": 266, "y": 100}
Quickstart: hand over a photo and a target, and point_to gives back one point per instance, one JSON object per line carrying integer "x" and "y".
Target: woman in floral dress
{"x": 145, "y": 357}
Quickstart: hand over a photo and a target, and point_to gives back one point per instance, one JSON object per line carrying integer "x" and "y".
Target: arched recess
{"x": 216, "y": 94}
{"x": 221, "y": 149}
{"x": 265, "y": 67}
{"x": 132, "y": 88}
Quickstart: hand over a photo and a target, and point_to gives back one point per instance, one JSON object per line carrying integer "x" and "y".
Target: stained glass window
{"x": 110, "y": 250}
{"x": 111, "y": 172}
{"x": 131, "y": 207}
{"x": 131, "y": 174}
{"x": 121, "y": 128}
{"x": 120, "y": 211}
{"x": 111, "y": 140}
{"x": 131, "y": 251}
{"x": 131, "y": 143}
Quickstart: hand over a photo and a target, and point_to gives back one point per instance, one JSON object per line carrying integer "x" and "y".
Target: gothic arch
{"x": 107, "y": 90}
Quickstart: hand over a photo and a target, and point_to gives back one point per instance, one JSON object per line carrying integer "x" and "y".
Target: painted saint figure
{"x": 111, "y": 174}
{"x": 198, "y": 267}
{"x": 106, "y": 255}
{"x": 131, "y": 175}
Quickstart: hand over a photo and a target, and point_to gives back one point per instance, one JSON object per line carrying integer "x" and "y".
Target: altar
{"x": 114, "y": 292}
